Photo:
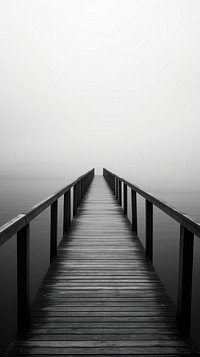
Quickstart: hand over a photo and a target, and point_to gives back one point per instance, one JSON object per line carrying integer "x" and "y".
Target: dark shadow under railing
{"x": 20, "y": 225}
{"x": 188, "y": 228}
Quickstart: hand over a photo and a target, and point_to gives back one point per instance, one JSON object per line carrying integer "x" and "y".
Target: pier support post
{"x": 125, "y": 198}
{"x": 75, "y": 199}
{"x": 117, "y": 188}
{"x": 134, "y": 210}
{"x": 82, "y": 189}
{"x": 23, "y": 276}
{"x": 149, "y": 230}
{"x": 54, "y": 224}
{"x": 67, "y": 211}
{"x": 113, "y": 184}
{"x": 185, "y": 277}
{"x": 120, "y": 192}
{"x": 79, "y": 192}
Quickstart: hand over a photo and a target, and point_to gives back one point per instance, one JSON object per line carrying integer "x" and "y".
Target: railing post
{"x": 23, "y": 276}
{"x": 117, "y": 188}
{"x": 114, "y": 184}
{"x": 79, "y": 195}
{"x": 134, "y": 210}
{"x": 85, "y": 185}
{"x": 75, "y": 200}
{"x": 120, "y": 192}
{"x": 185, "y": 277}
{"x": 82, "y": 189}
{"x": 67, "y": 211}
{"x": 149, "y": 230}
{"x": 125, "y": 198}
{"x": 53, "y": 232}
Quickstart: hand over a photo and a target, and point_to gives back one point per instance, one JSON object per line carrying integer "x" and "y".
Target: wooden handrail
{"x": 188, "y": 228}
{"x": 20, "y": 225}
{"x": 182, "y": 218}
{"x": 11, "y": 227}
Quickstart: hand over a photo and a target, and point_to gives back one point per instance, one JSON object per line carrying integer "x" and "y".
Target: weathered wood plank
{"x": 32, "y": 350}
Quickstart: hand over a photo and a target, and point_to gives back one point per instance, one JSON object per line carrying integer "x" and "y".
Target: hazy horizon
{"x": 101, "y": 83}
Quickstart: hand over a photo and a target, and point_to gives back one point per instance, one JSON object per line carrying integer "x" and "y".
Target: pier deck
{"x": 101, "y": 295}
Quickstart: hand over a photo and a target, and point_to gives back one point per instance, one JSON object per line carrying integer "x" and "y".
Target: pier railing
{"x": 20, "y": 225}
{"x": 188, "y": 228}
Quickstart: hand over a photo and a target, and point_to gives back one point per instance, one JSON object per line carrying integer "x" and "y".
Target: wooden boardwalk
{"x": 101, "y": 295}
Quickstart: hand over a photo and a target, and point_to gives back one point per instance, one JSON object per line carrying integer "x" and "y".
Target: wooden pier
{"x": 101, "y": 295}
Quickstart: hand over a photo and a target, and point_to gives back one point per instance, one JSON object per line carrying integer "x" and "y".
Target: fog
{"x": 88, "y": 83}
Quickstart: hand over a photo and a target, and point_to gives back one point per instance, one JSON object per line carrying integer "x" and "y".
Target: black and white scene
{"x": 99, "y": 178}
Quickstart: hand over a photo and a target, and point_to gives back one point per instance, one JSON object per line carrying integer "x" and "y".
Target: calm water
{"x": 17, "y": 195}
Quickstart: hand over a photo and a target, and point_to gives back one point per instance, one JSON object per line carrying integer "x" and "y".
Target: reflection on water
{"x": 17, "y": 196}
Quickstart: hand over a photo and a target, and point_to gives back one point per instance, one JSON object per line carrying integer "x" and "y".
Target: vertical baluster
{"x": 68, "y": 208}
{"x": 149, "y": 230}
{"x": 23, "y": 275}
{"x": 82, "y": 189}
{"x": 67, "y": 211}
{"x": 117, "y": 188}
{"x": 76, "y": 196}
{"x": 74, "y": 203}
{"x": 84, "y": 186}
{"x": 74, "y": 199}
{"x": 125, "y": 198}
{"x": 53, "y": 230}
{"x": 134, "y": 210}
{"x": 185, "y": 276}
{"x": 79, "y": 192}
{"x": 120, "y": 192}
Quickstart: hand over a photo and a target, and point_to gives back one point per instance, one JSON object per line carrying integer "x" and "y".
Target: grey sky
{"x": 101, "y": 82}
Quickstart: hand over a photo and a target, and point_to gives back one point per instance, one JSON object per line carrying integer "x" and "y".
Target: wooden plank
{"x": 101, "y": 295}
{"x": 104, "y": 350}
